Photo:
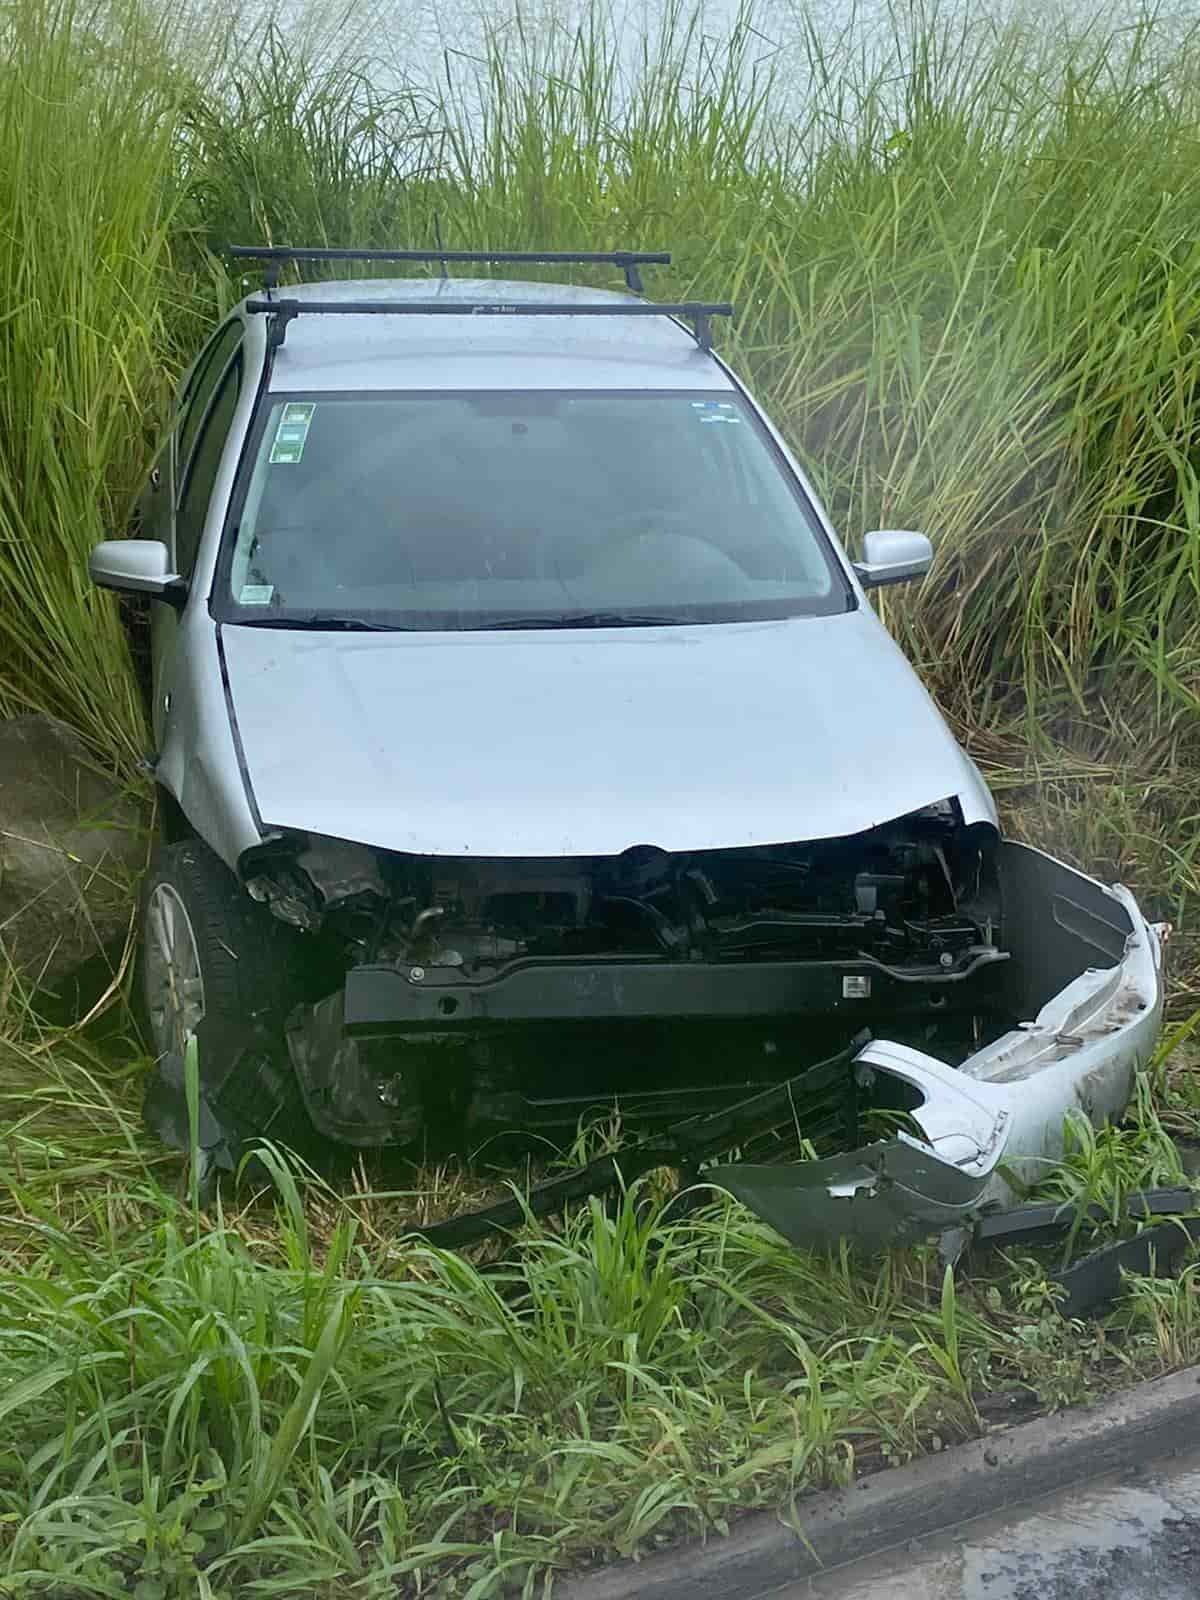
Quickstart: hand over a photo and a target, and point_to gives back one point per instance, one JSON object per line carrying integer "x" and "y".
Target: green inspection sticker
{"x": 291, "y": 433}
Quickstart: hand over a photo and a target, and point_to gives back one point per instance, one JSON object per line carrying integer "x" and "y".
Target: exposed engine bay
{"x": 914, "y": 894}
{"x": 524, "y": 991}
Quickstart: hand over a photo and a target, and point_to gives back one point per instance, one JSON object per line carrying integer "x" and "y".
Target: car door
{"x": 187, "y": 470}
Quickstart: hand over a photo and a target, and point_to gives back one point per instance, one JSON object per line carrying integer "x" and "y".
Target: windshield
{"x": 535, "y": 509}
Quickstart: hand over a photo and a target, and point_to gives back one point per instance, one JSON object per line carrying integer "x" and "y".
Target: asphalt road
{"x": 1133, "y": 1536}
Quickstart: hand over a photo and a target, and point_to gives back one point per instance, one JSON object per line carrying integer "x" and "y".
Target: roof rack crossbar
{"x": 277, "y": 256}
{"x": 281, "y": 312}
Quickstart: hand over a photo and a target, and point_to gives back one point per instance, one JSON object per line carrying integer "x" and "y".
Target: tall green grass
{"x": 294, "y": 1398}
{"x": 966, "y": 290}
{"x": 268, "y": 1404}
{"x": 86, "y": 159}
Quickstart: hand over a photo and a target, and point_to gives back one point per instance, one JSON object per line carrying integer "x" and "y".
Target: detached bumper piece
{"x": 821, "y": 1101}
{"x": 977, "y": 1131}
{"x": 998, "y": 1117}
{"x": 1094, "y": 1281}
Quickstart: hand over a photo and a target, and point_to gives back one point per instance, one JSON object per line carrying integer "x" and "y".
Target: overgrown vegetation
{"x": 269, "y": 1400}
{"x": 967, "y": 292}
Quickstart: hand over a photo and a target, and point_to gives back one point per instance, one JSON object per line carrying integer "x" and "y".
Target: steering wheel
{"x": 676, "y": 548}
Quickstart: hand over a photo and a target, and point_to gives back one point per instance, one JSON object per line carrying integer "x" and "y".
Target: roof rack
{"x": 282, "y": 312}
{"x": 277, "y": 256}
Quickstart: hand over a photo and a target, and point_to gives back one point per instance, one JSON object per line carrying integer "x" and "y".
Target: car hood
{"x": 585, "y": 742}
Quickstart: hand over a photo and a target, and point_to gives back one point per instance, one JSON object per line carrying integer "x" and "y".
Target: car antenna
{"x": 437, "y": 239}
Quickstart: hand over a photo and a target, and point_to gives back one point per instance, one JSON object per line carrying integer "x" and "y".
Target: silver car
{"x": 527, "y": 743}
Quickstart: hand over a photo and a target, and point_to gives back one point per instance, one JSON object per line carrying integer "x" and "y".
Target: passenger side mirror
{"x": 137, "y": 566}
{"x": 893, "y": 555}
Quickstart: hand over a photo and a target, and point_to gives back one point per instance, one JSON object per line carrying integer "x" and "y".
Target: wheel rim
{"x": 174, "y": 984}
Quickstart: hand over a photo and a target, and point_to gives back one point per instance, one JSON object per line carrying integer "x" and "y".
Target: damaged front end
{"x": 924, "y": 980}
{"x": 529, "y": 992}
{"x": 1087, "y": 972}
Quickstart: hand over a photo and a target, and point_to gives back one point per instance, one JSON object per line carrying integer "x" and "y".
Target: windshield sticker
{"x": 294, "y": 423}
{"x": 256, "y": 594}
{"x": 715, "y": 411}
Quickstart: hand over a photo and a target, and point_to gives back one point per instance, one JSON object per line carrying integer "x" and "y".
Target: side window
{"x": 198, "y": 486}
{"x": 204, "y": 381}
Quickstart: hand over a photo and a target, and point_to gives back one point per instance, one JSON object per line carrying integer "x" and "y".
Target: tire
{"x": 249, "y": 968}
{"x": 248, "y": 971}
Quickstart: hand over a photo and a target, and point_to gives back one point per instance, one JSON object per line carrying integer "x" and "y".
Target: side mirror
{"x": 892, "y": 555}
{"x": 137, "y": 566}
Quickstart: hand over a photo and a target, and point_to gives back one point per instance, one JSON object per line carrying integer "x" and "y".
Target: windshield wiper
{"x": 327, "y": 621}
{"x": 585, "y": 619}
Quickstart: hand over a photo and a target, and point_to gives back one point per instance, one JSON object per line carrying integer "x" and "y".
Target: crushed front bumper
{"x": 981, "y": 1130}
{"x": 999, "y": 1117}
{"x": 978, "y": 1131}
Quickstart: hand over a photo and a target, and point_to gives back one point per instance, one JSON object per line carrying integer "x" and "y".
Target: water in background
{"x": 421, "y": 42}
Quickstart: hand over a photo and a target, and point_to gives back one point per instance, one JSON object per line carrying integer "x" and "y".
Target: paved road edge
{"x": 1005, "y": 1467}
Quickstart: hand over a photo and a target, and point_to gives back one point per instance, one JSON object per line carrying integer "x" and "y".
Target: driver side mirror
{"x": 137, "y": 566}
{"x": 893, "y": 555}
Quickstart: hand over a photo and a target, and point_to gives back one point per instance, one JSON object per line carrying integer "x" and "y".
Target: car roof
{"x": 349, "y": 353}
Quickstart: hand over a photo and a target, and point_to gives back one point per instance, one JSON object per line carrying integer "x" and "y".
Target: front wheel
{"x": 216, "y": 967}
